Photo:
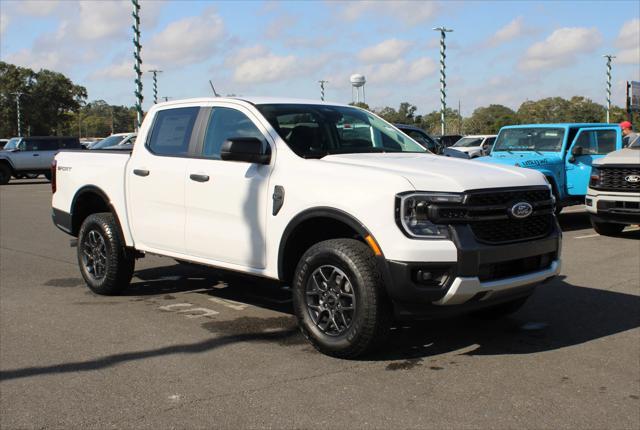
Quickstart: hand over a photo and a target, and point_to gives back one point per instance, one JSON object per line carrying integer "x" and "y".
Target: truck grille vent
{"x": 613, "y": 179}
{"x": 488, "y": 214}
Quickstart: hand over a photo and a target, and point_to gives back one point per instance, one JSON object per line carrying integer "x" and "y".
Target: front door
{"x": 155, "y": 181}
{"x": 591, "y": 144}
{"x": 28, "y": 155}
{"x": 227, "y": 201}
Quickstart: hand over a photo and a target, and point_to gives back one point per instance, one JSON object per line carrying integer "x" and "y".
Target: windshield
{"x": 313, "y": 131}
{"x": 12, "y": 144}
{"x": 422, "y": 138}
{"x": 467, "y": 142}
{"x": 530, "y": 139}
{"x": 109, "y": 141}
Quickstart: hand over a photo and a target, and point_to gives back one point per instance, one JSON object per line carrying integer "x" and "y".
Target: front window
{"x": 12, "y": 144}
{"x": 468, "y": 142}
{"x": 530, "y": 139}
{"x": 313, "y": 131}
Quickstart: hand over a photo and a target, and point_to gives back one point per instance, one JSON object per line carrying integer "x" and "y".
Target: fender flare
{"x": 8, "y": 161}
{"x": 92, "y": 189}
{"x": 316, "y": 212}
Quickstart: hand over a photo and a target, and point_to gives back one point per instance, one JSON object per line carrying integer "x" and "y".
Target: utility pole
{"x": 155, "y": 84}
{"x": 443, "y": 95}
{"x": 322, "y": 82}
{"x": 137, "y": 66}
{"x": 609, "y": 58}
{"x": 18, "y": 94}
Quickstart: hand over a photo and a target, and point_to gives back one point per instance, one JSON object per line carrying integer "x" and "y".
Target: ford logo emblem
{"x": 632, "y": 179}
{"x": 521, "y": 210}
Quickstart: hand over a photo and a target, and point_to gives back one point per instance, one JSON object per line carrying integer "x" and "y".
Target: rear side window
{"x": 171, "y": 131}
{"x": 226, "y": 123}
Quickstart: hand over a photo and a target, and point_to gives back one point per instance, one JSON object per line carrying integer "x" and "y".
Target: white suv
{"x": 475, "y": 145}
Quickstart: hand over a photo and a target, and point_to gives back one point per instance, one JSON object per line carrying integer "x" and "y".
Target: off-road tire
{"x": 119, "y": 262}
{"x": 607, "y": 228}
{"x": 500, "y": 311}
{"x": 5, "y": 174}
{"x": 372, "y": 317}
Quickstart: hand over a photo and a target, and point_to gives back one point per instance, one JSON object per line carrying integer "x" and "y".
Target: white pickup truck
{"x": 354, "y": 215}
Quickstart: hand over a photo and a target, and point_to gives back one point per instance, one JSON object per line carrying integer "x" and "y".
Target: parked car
{"x": 3, "y": 142}
{"x": 564, "y": 153}
{"x": 362, "y": 226}
{"x": 28, "y": 156}
{"x": 613, "y": 197}
{"x": 475, "y": 145}
{"x": 420, "y": 136}
{"x": 115, "y": 140}
{"x": 448, "y": 139}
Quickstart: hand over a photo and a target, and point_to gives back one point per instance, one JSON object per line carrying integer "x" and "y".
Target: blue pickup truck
{"x": 562, "y": 152}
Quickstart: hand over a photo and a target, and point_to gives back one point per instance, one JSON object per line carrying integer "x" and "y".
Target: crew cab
{"x": 613, "y": 198}
{"x": 32, "y": 156}
{"x": 564, "y": 153}
{"x": 362, "y": 222}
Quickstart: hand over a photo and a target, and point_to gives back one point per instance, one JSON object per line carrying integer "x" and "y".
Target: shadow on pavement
{"x": 571, "y": 221}
{"x": 558, "y": 315}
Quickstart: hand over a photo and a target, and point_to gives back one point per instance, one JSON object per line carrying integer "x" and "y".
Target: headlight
{"x": 412, "y": 214}
{"x": 596, "y": 178}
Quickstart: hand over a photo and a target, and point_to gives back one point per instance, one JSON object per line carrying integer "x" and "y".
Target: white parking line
{"x": 229, "y": 303}
{"x": 588, "y": 235}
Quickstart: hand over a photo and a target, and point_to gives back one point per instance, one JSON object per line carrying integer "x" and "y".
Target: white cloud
{"x": 37, "y": 8}
{"x": 561, "y": 48}
{"x": 268, "y": 68}
{"x": 102, "y": 19}
{"x": 400, "y": 71}
{"x": 629, "y": 43}
{"x": 4, "y": 22}
{"x": 513, "y": 30}
{"x": 409, "y": 12}
{"x": 188, "y": 40}
{"x": 386, "y": 51}
{"x": 120, "y": 70}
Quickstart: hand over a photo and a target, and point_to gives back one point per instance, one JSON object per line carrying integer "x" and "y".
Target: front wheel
{"x": 339, "y": 298}
{"x": 105, "y": 264}
{"x": 607, "y": 228}
{"x": 5, "y": 174}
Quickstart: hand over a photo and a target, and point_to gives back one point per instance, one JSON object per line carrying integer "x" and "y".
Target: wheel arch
{"x": 88, "y": 200}
{"x": 312, "y": 226}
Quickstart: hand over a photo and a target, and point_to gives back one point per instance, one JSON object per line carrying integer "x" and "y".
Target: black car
{"x": 448, "y": 139}
{"x": 420, "y": 136}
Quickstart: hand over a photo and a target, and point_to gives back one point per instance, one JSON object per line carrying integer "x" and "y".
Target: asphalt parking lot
{"x": 185, "y": 349}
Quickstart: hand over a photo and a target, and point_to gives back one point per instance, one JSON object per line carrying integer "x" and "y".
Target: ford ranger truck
{"x": 613, "y": 198}
{"x": 359, "y": 220}
{"x": 563, "y": 153}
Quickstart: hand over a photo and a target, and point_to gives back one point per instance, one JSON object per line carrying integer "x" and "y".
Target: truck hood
{"x": 428, "y": 172}
{"x": 622, "y": 156}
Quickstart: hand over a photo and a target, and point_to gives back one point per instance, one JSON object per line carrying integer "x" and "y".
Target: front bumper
{"x": 616, "y": 207}
{"x": 482, "y": 276}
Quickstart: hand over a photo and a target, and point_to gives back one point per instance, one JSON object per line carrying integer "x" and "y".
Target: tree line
{"x": 51, "y": 104}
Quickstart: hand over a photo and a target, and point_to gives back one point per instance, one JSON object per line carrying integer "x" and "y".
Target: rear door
{"x": 227, "y": 201}
{"x": 156, "y": 180}
{"x": 47, "y": 149}
{"x": 589, "y": 145}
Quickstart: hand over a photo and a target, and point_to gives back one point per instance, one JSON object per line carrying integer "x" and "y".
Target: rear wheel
{"x": 105, "y": 264}
{"x": 339, "y": 298}
{"x": 47, "y": 175}
{"x": 5, "y": 174}
{"x": 607, "y": 228}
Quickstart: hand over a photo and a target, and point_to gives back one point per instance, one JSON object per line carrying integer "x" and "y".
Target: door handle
{"x": 141, "y": 172}
{"x": 199, "y": 178}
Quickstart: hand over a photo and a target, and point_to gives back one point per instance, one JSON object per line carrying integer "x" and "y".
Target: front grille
{"x": 613, "y": 179}
{"x": 508, "y": 269}
{"x": 488, "y": 214}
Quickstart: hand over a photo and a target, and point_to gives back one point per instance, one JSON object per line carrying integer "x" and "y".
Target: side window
{"x": 587, "y": 142}
{"x": 171, "y": 131}
{"x": 490, "y": 141}
{"x": 49, "y": 145}
{"x": 225, "y": 123}
{"x": 31, "y": 145}
{"x": 606, "y": 141}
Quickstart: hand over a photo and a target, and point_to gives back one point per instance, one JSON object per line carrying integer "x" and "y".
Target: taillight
{"x": 54, "y": 167}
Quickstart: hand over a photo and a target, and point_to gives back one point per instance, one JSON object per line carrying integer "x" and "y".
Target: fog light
{"x": 589, "y": 202}
{"x": 431, "y": 277}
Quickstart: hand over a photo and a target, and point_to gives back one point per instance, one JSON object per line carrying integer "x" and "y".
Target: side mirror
{"x": 245, "y": 149}
{"x": 576, "y": 151}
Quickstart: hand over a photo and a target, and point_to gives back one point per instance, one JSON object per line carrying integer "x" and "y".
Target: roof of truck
{"x": 253, "y": 100}
{"x": 563, "y": 125}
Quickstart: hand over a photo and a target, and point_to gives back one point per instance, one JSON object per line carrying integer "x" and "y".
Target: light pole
{"x": 322, "y": 82}
{"x": 18, "y": 94}
{"x": 155, "y": 85}
{"x": 138, "y": 64}
{"x": 609, "y": 58}
{"x": 443, "y": 76}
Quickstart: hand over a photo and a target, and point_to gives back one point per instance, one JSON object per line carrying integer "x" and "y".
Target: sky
{"x": 502, "y": 52}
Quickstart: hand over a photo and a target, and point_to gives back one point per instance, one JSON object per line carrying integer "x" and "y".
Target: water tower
{"x": 357, "y": 83}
